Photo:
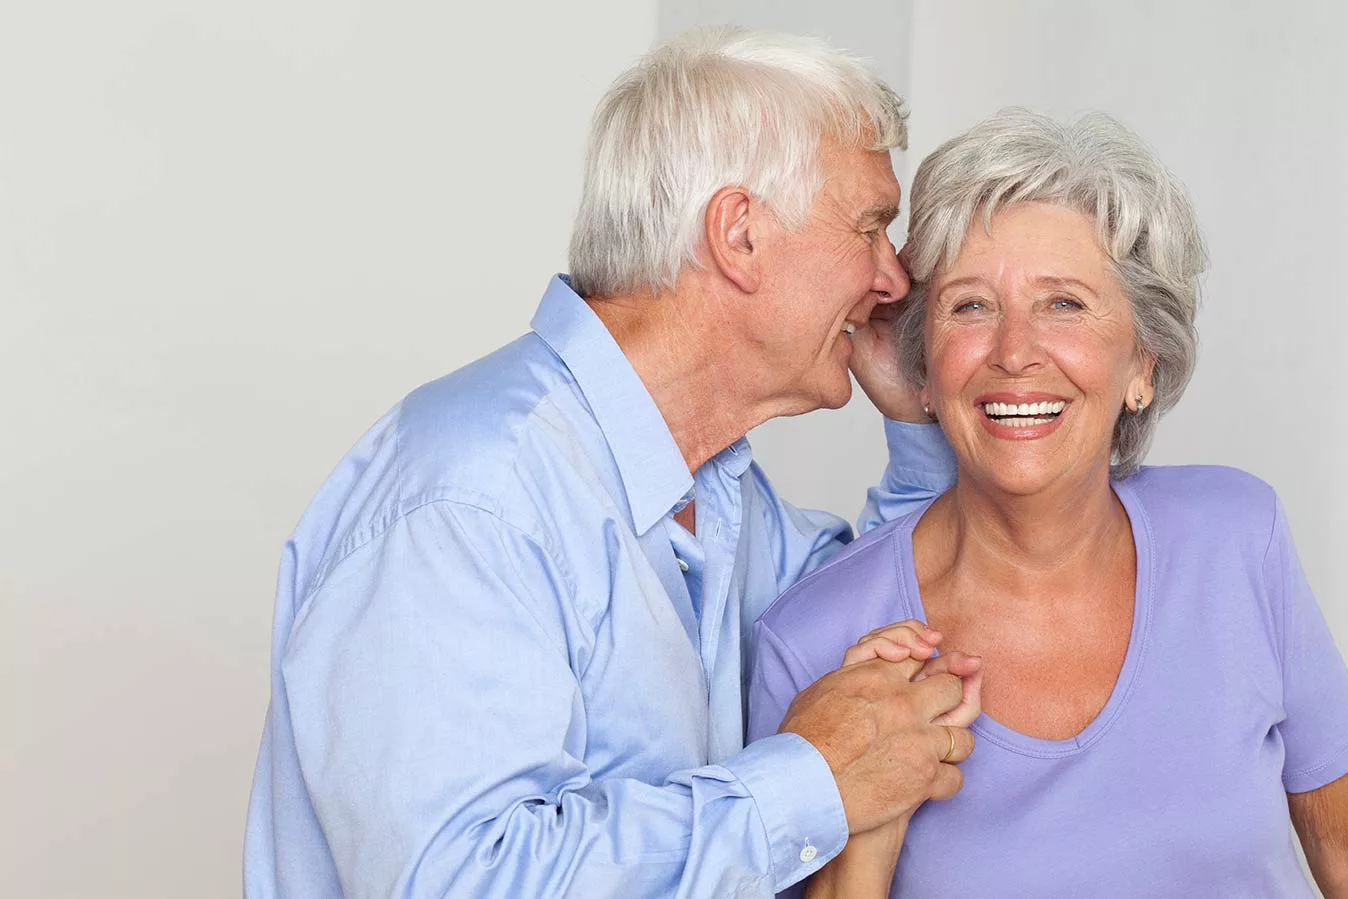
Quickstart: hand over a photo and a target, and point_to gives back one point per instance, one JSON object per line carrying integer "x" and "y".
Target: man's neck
{"x": 686, "y": 360}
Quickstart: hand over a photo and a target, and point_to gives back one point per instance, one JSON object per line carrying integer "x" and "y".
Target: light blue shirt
{"x": 490, "y": 676}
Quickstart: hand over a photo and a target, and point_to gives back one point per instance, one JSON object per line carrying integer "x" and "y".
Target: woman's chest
{"x": 1175, "y": 788}
{"x": 1048, "y": 670}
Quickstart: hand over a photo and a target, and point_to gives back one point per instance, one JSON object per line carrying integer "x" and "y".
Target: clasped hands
{"x": 892, "y": 723}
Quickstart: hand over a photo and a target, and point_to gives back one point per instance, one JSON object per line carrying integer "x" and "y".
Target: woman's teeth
{"x": 849, "y": 328}
{"x": 1023, "y": 415}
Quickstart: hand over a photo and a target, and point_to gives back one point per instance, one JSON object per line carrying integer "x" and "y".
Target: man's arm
{"x": 441, "y": 730}
{"x": 1321, "y": 821}
{"x": 921, "y": 467}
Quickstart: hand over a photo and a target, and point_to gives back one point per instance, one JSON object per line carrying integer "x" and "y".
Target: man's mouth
{"x": 1024, "y": 415}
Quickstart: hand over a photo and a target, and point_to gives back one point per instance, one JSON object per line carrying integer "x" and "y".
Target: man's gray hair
{"x": 1144, "y": 221}
{"x": 710, "y": 108}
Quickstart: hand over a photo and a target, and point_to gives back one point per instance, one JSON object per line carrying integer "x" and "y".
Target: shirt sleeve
{"x": 1315, "y": 680}
{"x": 777, "y": 676}
{"x": 921, "y": 466}
{"x": 440, "y": 727}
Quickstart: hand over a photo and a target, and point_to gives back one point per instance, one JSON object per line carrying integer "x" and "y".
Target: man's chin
{"x": 839, "y": 395}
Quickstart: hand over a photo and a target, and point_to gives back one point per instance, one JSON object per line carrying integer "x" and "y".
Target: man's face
{"x": 826, "y": 278}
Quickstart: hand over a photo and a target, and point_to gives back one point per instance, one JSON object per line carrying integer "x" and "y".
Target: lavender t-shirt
{"x": 1231, "y": 694}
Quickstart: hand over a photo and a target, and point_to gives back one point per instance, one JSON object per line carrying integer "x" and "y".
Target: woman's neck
{"x": 1020, "y": 545}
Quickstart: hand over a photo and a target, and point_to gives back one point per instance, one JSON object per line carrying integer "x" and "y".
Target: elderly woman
{"x": 1159, "y": 687}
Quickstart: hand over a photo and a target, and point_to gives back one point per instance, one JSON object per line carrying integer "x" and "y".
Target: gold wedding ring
{"x": 950, "y": 733}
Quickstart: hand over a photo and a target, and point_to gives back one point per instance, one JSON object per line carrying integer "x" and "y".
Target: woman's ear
{"x": 1141, "y": 392}
{"x": 730, "y": 238}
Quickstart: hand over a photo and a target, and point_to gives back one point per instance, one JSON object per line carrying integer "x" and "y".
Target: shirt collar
{"x": 650, "y": 464}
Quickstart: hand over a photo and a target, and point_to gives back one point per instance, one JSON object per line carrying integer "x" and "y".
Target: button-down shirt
{"x": 501, "y": 669}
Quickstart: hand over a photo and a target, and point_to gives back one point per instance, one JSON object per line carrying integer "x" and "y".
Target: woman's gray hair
{"x": 710, "y": 108}
{"x": 1144, "y": 221}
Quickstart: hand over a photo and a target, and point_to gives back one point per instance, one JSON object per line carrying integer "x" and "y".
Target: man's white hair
{"x": 714, "y": 107}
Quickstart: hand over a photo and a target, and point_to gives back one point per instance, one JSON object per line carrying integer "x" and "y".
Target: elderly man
{"x": 508, "y": 652}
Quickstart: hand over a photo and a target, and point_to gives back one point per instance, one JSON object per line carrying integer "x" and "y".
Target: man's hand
{"x": 875, "y": 726}
{"x": 876, "y": 364}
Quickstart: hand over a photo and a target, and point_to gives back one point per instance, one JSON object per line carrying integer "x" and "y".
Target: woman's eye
{"x": 1068, "y": 303}
{"x": 968, "y": 306}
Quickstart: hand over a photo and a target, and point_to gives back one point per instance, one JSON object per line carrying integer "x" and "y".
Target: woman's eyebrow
{"x": 1061, "y": 283}
{"x": 961, "y": 282}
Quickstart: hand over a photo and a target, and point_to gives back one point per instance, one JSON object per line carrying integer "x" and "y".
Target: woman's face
{"x": 1030, "y": 351}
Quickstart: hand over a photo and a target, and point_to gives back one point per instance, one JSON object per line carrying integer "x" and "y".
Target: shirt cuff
{"x": 919, "y": 456}
{"x": 799, "y": 803}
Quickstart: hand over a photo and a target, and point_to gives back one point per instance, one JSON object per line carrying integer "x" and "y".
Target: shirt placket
{"x": 718, "y": 528}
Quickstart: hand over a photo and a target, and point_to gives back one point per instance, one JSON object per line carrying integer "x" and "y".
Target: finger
{"x": 969, "y": 669}
{"x": 875, "y": 648}
{"x": 952, "y": 744}
{"x": 938, "y": 694}
{"x": 909, "y": 634}
{"x": 919, "y": 651}
{"x": 919, "y": 629}
{"x": 947, "y": 782}
{"x": 903, "y": 636}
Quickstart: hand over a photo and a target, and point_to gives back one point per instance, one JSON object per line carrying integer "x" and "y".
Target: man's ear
{"x": 733, "y": 215}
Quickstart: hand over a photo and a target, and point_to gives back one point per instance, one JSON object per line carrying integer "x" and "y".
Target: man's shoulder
{"x": 473, "y": 437}
{"x": 462, "y": 436}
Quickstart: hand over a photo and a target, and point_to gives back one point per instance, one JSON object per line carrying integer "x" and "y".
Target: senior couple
{"x": 520, "y": 630}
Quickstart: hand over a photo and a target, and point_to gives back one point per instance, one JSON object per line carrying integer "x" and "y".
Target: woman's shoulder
{"x": 856, "y": 590}
{"x": 1204, "y": 500}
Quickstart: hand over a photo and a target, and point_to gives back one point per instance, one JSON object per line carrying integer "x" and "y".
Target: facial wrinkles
{"x": 1026, "y": 334}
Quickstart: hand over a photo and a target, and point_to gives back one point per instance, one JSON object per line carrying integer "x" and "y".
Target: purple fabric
{"x": 1231, "y": 694}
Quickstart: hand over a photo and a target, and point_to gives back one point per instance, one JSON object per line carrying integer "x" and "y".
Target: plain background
{"x": 233, "y": 234}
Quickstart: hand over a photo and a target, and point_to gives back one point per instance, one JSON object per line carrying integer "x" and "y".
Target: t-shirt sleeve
{"x": 1315, "y": 680}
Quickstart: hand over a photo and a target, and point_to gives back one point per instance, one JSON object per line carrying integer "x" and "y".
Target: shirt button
{"x": 683, "y": 566}
{"x": 808, "y": 853}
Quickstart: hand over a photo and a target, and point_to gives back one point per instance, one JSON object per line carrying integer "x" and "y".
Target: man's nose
{"x": 891, "y": 277}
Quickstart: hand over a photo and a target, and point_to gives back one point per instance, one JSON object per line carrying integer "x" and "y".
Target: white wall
{"x": 231, "y": 235}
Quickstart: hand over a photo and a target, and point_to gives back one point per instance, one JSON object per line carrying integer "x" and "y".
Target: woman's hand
{"x": 914, "y": 640}
{"x": 865, "y": 867}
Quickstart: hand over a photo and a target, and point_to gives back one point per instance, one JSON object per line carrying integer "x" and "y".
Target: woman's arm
{"x": 1321, "y": 821}
{"x": 865, "y": 867}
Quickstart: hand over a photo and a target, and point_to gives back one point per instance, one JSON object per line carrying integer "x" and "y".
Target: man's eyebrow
{"x": 885, "y": 213}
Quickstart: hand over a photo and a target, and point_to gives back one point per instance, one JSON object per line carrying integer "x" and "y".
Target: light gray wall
{"x": 231, "y": 235}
